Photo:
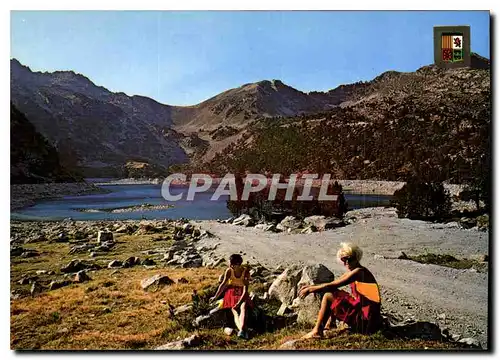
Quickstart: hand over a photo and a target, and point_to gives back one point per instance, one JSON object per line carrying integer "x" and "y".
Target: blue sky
{"x": 183, "y": 58}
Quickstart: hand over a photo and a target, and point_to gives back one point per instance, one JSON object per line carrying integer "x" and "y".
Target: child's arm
{"x": 222, "y": 286}
{"x": 246, "y": 282}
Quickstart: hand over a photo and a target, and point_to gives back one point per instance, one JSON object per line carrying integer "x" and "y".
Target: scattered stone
{"x": 148, "y": 262}
{"x": 471, "y": 342}
{"x": 309, "y": 230}
{"x": 228, "y": 331}
{"x": 289, "y": 345}
{"x": 56, "y": 284}
{"x": 26, "y": 280}
{"x": 81, "y": 276}
{"x": 378, "y": 257}
{"x": 76, "y": 265}
{"x": 215, "y": 319}
{"x": 289, "y": 224}
{"x": 157, "y": 280}
{"x": 61, "y": 238}
{"x": 16, "y": 250}
{"x": 104, "y": 236}
{"x": 182, "y": 309}
{"x": 244, "y": 220}
{"x": 442, "y": 316}
{"x": 403, "y": 256}
{"x": 81, "y": 248}
{"x": 36, "y": 288}
{"x": 41, "y": 272}
{"x": 193, "y": 340}
{"x": 324, "y": 223}
{"x": 131, "y": 261}
{"x": 29, "y": 253}
{"x": 115, "y": 263}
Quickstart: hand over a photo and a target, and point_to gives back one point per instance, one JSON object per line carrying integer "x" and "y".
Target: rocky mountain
{"x": 237, "y": 107}
{"x": 118, "y": 129}
{"x": 32, "y": 158}
{"x": 431, "y": 122}
{"x": 92, "y": 128}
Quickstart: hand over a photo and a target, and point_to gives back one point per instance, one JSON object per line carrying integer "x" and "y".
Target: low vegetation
{"x": 112, "y": 311}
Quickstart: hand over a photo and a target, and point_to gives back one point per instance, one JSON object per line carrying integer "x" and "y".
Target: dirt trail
{"x": 409, "y": 289}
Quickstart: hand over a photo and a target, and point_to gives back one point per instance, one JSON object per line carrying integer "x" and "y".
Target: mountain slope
{"x": 93, "y": 128}
{"x": 431, "y": 122}
{"x": 32, "y": 158}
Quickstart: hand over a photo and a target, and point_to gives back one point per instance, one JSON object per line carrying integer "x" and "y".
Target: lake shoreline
{"x": 25, "y": 195}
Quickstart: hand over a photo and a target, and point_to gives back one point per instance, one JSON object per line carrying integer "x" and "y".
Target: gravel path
{"x": 409, "y": 289}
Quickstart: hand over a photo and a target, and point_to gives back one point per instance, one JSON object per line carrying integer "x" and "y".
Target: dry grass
{"x": 114, "y": 312}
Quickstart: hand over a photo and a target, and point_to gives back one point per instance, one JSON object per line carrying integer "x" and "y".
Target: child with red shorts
{"x": 234, "y": 286}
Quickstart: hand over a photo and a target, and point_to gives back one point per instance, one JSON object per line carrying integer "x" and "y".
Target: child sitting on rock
{"x": 234, "y": 286}
{"x": 360, "y": 310}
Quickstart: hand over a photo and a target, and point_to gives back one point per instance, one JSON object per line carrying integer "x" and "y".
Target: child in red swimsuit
{"x": 234, "y": 286}
{"x": 360, "y": 309}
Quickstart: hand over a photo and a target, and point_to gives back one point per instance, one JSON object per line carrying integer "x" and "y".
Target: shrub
{"x": 422, "y": 200}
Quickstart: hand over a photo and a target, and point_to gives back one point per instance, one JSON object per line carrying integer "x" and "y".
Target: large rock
{"x": 284, "y": 288}
{"x": 307, "y": 308}
{"x": 244, "y": 220}
{"x": 156, "y": 281}
{"x": 56, "y": 284}
{"x": 289, "y": 223}
{"x": 104, "y": 236}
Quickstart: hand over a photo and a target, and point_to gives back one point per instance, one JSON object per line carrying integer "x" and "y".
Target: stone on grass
{"x": 104, "y": 236}
{"x": 115, "y": 263}
{"x": 156, "y": 281}
{"x": 81, "y": 276}
{"x": 193, "y": 340}
{"x": 56, "y": 284}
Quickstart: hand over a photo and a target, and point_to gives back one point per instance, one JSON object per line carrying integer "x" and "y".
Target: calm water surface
{"x": 202, "y": 208}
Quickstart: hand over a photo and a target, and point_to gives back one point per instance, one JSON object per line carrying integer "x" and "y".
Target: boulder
{"x": 417, "y": 330}
{"x": 289, "y": 223}
{"x": 156, "y": 281}
{"x": 104, "y": 236}
{"x": 193, "y": 340}
{"x": 187, "y": 228}
{"x": 307, "y": 309}
{"x": 36, "y": 288}
{"x": 244, "y": 220}
{"x": 284, "y": 288}
{"x": 474, "y": 343}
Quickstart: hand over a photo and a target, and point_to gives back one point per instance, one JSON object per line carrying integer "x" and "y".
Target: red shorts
{"x": 232, "y": 295}
{"x": 361, "y": 317}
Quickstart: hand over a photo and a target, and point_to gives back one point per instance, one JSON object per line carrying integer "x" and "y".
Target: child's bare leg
{"x": 243, "y": 311}
{"x": 236, "y": 319}
{"x": 331, "y": 323}
{"x": 317, "y": 331}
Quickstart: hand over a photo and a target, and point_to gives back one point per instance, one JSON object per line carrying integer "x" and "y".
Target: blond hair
{"x": 350, "y": 250}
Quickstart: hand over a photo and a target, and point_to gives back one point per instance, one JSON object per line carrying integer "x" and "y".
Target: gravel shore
{"x": 409, "y": 289}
